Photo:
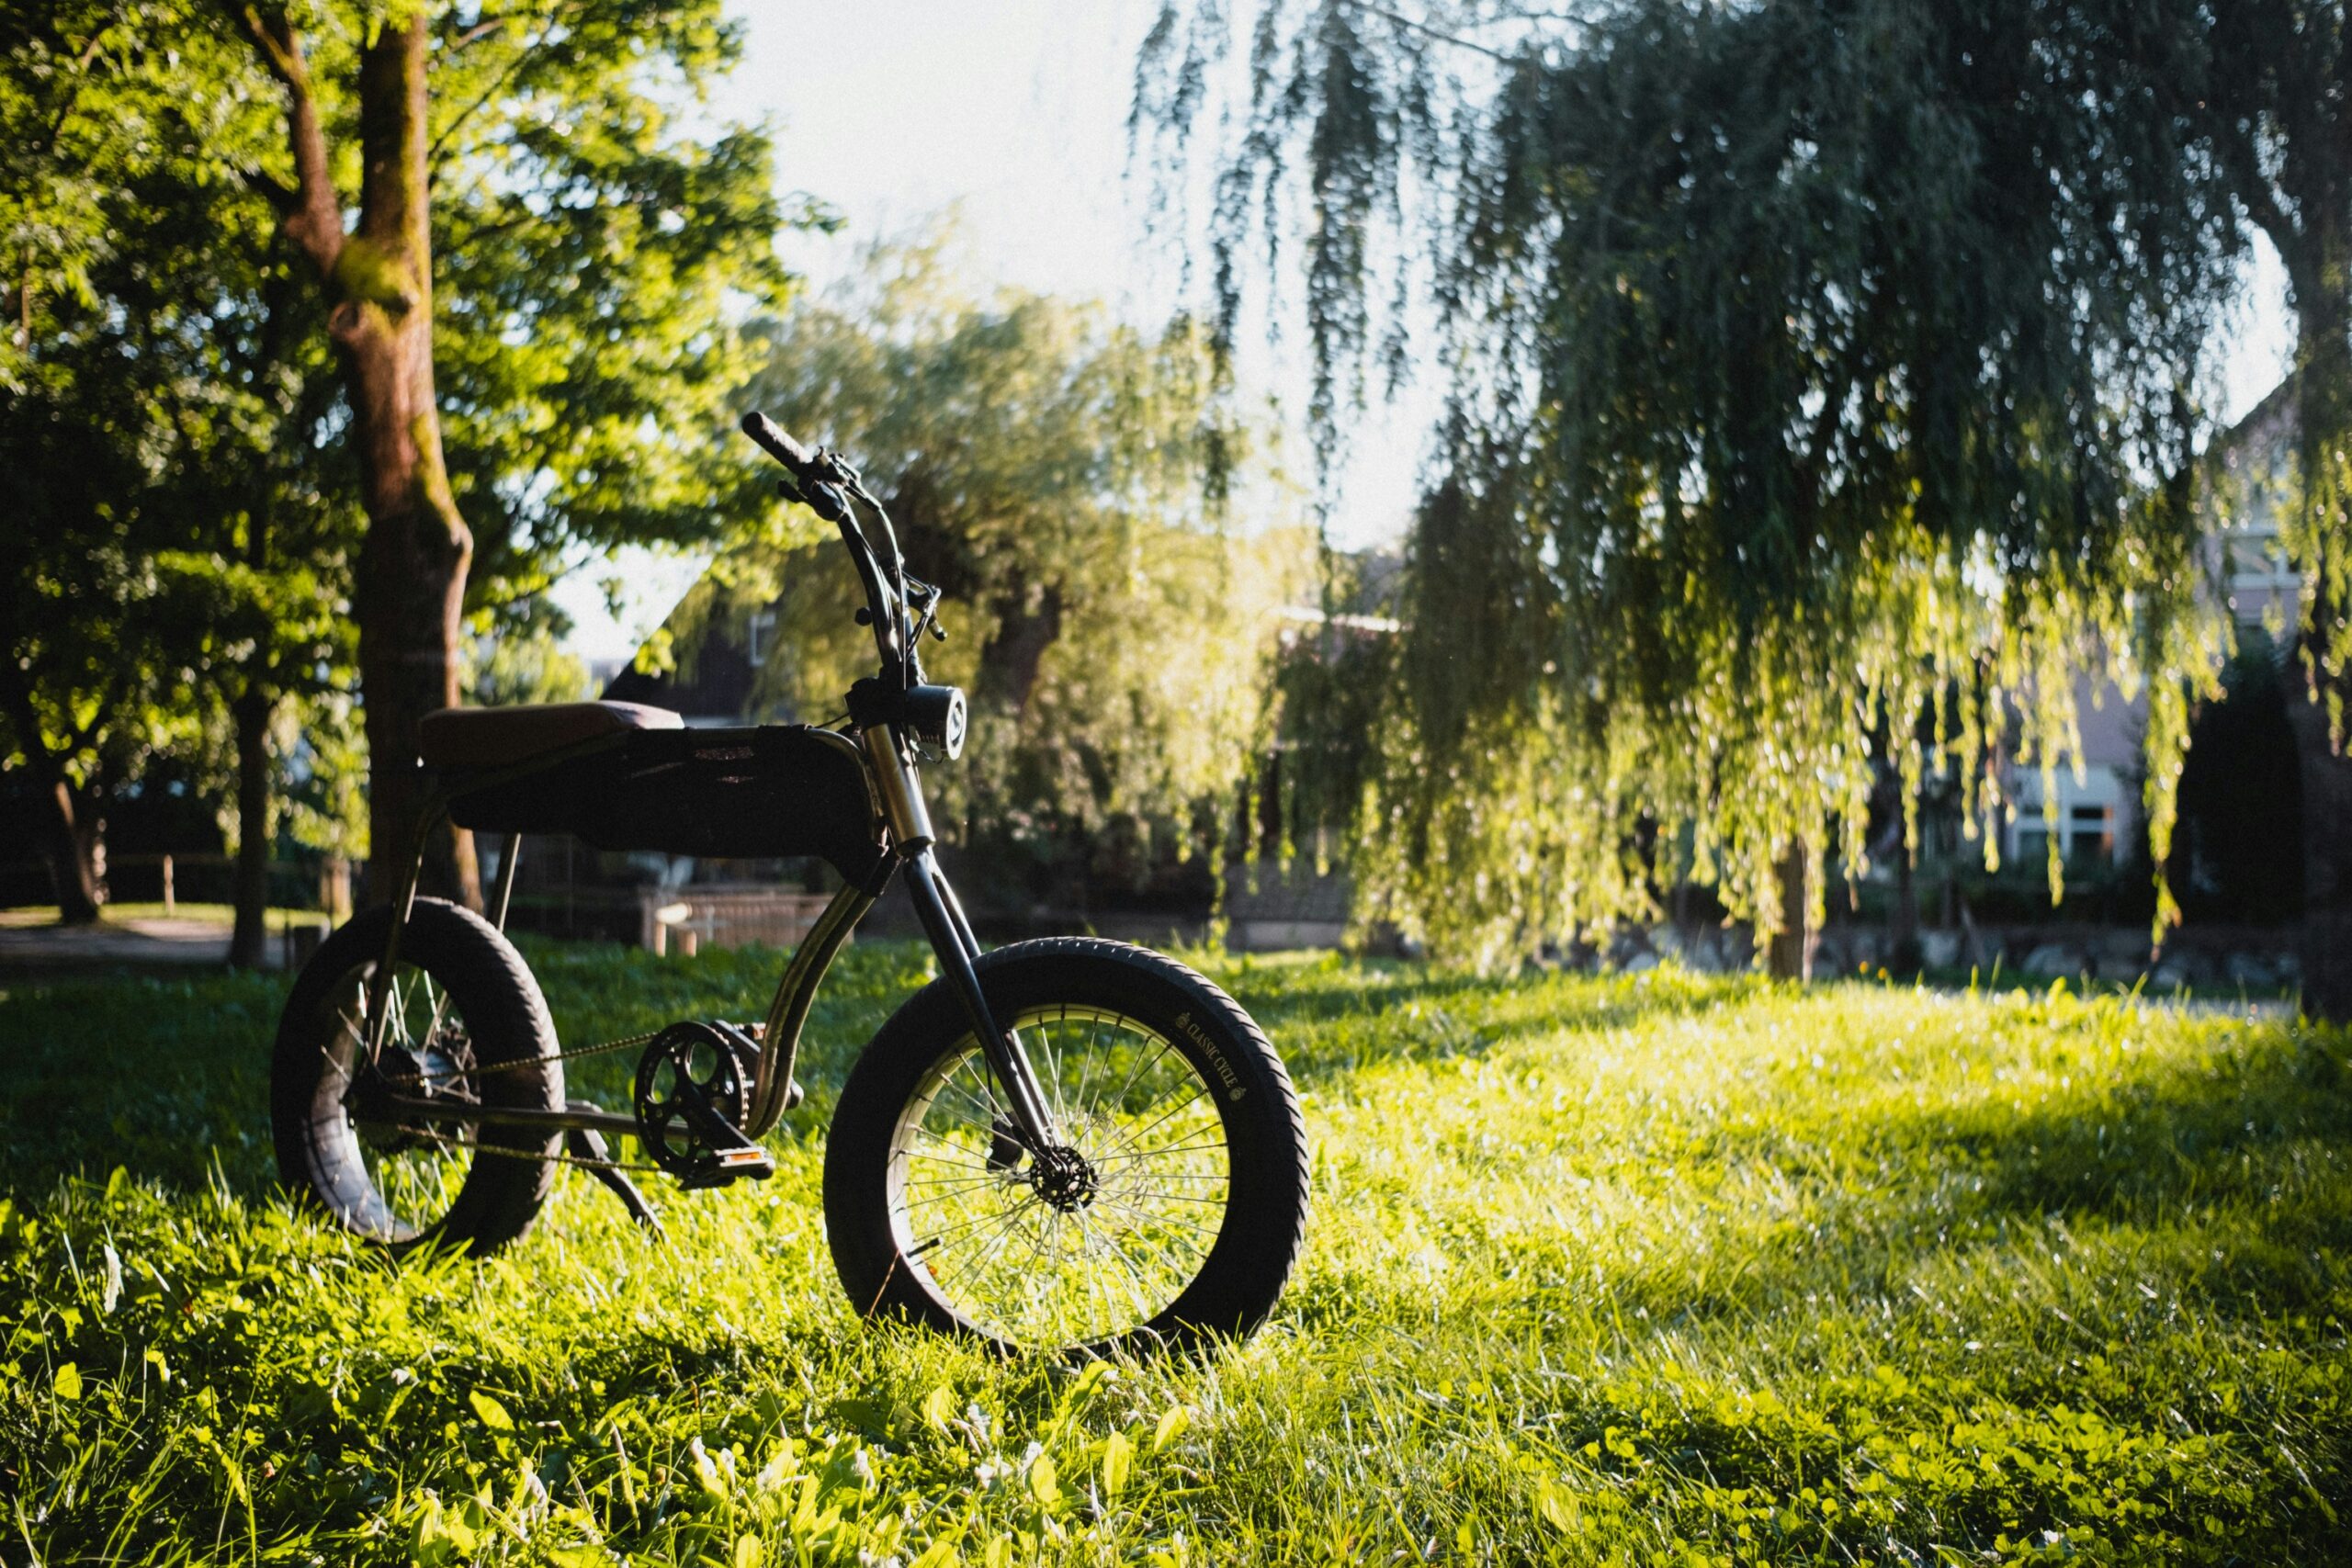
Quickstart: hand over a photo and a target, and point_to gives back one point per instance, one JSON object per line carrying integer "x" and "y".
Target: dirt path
{"x": 138, "y": 940}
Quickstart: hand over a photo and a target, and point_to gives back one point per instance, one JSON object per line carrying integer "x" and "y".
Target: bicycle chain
{"x": 583, "y": 1161}
{"x": 598, "y": 1050}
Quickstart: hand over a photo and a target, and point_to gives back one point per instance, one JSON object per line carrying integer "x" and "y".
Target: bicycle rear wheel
{"x": 465, "y": 1020}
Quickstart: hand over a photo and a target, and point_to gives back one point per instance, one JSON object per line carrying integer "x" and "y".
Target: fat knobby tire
{"x": 506, "y": 1020}
{"x": 1265, "y": 1218}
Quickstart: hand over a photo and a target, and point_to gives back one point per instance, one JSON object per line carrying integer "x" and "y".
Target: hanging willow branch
{"x": 1824, "y": 398}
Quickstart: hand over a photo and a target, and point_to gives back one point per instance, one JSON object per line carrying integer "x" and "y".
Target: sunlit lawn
{"x": 1636, "y": 1270}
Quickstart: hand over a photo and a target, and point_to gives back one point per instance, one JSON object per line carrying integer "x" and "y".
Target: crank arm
{"x": 586, "y": 1143}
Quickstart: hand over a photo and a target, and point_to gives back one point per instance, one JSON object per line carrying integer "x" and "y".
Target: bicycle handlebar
{"x": 824, "y": 485}
{"x": 777, "y": 445}
{"x": 900, "y": 698}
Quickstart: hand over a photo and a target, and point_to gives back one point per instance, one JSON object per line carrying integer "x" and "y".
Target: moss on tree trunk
{"x": 378, "y": 284}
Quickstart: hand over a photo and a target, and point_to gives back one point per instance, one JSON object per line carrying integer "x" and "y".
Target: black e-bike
{"x": 1060, "y": 1144}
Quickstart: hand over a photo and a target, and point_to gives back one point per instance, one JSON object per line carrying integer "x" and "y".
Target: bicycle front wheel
{"x": 1174, "y": 1211}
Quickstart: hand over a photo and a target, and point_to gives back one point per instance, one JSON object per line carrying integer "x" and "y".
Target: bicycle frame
{"x": 884, "y": 732}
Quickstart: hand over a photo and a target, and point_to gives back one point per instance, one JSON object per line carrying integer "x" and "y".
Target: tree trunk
{"x": 2323, "y": 418}
{"x": 412, "y": 579}
{"x": 71, "y": 843}
{"x": 1789, "y": 955}
{"x": 249, "y": 938}
{"x": 73, "y": 857}
{"x": 412, "y": 563}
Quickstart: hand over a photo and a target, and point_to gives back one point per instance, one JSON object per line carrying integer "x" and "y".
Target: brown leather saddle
{"x": 492, "y": 738}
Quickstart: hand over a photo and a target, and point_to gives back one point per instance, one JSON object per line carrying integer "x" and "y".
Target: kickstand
{"x": 587, "y": 1144}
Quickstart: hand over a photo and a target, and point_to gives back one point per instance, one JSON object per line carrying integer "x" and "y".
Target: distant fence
{"x": 199, "y": 878}
{"x": 723, "y": 915}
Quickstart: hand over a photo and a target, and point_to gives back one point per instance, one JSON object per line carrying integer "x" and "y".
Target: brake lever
{"x": 821, "y": 499}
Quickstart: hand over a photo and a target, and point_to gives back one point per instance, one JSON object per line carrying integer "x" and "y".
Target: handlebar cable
{"x": 909, "y": 642}
{"x": 829, "y": 484}
{"x": 856, "y": 488}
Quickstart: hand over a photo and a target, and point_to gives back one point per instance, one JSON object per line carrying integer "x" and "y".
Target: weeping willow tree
{"x": 1824, "y": 395}
{"x": 1113, "y": 619}
{"x": 2281, "y": 101}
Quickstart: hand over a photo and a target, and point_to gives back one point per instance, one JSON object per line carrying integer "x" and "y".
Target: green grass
{"x": 1650, "y": 1269}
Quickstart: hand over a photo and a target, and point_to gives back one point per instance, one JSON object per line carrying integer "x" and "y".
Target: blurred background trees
{"x": 1828, "y": 388}
{"x": 1820, "y": 375}
{"x": 1063, "y": 478}
{"x": 222, "y": 422}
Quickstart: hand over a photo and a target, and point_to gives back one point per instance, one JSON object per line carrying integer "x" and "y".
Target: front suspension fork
{"x": 952, "y": 940}
{"x": 951, "y": 934}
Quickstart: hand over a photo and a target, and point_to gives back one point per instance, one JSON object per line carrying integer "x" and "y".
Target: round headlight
{"x": 936, "y": 717}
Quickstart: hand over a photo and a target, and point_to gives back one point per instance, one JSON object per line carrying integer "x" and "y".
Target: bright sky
{"x": 1014, "y": 113}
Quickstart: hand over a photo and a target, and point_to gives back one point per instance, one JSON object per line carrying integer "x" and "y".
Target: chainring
{"x": 692, "y": 1089}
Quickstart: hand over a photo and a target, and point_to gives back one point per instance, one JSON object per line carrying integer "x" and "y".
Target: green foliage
{"x": 175, "y": 419}
{"x": 1818, "y": 372}
{"x": 526, "y": 665}
{"x": 1657, "y": 1268}
{"x": 1047, "y": 470}
{"x": 177, "y": 543}
{"x": 600, "y": 243}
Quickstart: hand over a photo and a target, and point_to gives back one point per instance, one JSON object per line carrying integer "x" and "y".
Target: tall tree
{"x": 1816, "y": 365}
{"x": 585, "y": 157}
{"x": 1047, "y": 468}
{"x": 376, "y": 281}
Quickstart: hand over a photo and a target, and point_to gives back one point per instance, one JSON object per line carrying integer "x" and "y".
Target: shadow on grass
{"x": 167, "y": 1075}
{"x": 2241, "y": 1165}
{"x": 163, "y": 1076}
{"x": 2253, "y": 1148}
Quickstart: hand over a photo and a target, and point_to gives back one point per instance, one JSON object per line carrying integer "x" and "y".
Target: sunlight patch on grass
{"x": 1627, "y": 1270}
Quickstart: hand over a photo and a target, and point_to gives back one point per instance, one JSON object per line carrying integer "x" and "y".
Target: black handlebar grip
{"x": 777, "y": 445}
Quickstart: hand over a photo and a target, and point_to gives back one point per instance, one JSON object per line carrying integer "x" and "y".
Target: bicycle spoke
{"x": 1095, "y": 1261}
{"x": 942, "y": 1159}
{"x": 1166, "y": 1149}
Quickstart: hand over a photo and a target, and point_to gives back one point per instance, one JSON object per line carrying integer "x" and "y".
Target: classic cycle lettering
{"x": 1225, "y": 1072}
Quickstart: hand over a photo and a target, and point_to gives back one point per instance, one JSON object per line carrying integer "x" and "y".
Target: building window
{"x": 2090, "y": 830}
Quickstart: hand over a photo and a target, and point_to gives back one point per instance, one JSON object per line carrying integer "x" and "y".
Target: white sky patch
{"x": 2260, "y": 343}
{"x": 651, "y": 584}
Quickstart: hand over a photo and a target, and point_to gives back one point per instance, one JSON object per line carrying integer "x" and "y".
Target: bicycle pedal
{"x": 748, "y": 1163}
{"x": 750, "y": 1160}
